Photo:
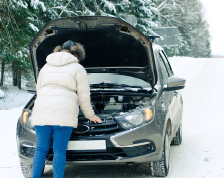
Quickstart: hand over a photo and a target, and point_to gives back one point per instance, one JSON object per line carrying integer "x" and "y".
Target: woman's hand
{"x": 96, "y": 119}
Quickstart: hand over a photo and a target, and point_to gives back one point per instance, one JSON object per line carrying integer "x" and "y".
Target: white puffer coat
{"x": 62, "y": 86}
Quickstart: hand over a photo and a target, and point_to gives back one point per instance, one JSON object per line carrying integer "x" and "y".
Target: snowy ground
{"x": 201, "y": 154}
{"x": 14, "y": 97}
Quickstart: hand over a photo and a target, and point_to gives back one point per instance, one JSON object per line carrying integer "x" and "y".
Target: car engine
{"x": 114, "y": 105}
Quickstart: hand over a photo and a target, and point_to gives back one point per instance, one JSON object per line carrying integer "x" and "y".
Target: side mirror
{"x": 175, "y": 83}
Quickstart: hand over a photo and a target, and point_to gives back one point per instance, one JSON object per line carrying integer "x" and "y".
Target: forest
{"x": 20, "y": 20}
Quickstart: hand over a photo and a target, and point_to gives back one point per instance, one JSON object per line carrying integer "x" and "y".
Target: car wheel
{"x": 27, "y": 170}
{"x": 161, "y": 168}
{"x": 178, "y": 136}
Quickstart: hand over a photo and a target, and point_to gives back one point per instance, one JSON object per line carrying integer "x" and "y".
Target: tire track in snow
{"x": 197, "y": 156}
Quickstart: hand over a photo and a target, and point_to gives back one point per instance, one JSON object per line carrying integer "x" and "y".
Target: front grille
{"x": 111, "y": 154}
{"x": 108, "y": 125}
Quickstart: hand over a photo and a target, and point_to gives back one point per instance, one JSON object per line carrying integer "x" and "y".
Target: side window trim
{"x": 164, "y": 64}
{"x": 166, "y": 58}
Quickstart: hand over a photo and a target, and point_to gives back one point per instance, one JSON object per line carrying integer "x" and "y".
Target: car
{"x": 133, "y": 90}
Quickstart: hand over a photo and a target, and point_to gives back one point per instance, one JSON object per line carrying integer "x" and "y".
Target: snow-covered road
{"x": 201, "y": 154}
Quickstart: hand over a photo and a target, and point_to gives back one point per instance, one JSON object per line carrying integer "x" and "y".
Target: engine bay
{"x": 114, "y": 105}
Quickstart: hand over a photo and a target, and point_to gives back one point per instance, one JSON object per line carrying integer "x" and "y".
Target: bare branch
{"x": 161, "y": 5}
{"x": 64, "y": 7}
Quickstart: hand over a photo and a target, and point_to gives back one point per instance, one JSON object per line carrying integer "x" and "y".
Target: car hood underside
{"x": 111, "y": 45}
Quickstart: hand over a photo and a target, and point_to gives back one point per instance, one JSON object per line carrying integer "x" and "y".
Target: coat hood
{"x": 60, "y": 59}
{"x": 111, "y": 45}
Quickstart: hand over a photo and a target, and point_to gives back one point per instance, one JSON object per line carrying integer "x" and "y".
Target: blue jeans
{"x": 61, "y": 136}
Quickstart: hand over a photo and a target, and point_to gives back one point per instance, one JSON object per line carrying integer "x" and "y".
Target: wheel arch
{"x": 168, "y": 126}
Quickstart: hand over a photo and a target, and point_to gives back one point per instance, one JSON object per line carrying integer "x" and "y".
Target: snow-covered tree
{"x": 17, "y": 27}
{"x": 20, "y": 20}
{"x": 188, "y": 16}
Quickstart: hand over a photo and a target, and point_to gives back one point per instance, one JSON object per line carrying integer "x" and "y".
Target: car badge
{"x": 82, "y": 128}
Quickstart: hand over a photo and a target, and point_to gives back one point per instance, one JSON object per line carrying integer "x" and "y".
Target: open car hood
{"x": 112, "y": 45}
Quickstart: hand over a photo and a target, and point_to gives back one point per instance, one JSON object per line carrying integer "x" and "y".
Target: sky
{"x": 214, "y": 13}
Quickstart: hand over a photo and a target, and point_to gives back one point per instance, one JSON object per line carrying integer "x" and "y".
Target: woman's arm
{"x": 83, "y": 92}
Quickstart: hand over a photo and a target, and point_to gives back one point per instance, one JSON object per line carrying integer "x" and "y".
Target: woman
{"x": 62, "y": 87}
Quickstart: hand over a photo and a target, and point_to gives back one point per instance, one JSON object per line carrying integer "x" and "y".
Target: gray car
{"x": 133, "y": 90}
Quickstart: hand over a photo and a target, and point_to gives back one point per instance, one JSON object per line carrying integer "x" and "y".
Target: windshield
{"x": 95, "y": 78}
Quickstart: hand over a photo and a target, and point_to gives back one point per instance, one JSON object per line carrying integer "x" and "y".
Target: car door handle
{"x": 175, "y": 93}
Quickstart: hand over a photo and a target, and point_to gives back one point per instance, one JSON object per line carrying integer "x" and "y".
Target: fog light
{"x": 27, "y": 149}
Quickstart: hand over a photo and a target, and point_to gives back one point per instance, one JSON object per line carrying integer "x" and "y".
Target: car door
{"x": 166, "y": 98}
{"x": 174, "y": 105}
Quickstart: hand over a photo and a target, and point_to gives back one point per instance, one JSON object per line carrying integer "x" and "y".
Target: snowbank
{"x": 13, "y": 97}
{"x": 9, "y": 164}
{"x": 2, "y": 95}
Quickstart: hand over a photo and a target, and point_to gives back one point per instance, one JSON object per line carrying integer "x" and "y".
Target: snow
{"x": 33, "y": 27}
{"x": 13, "y": 97}
{"x": 23, "y": 4}
{"x": 141, "y": 27}
{"x": 145, "y": 10}
{"x": 36, "y": 3}
{"x": 20, "y": 53}
{"x": 201, "y": 153}
{"x": 88, "y": 12}
{"x": 149, "y": 23}
{"x": 141, "y": 2}
{"x": 154, "y": 10}
{"x": 124, "y": 4}
{"x": 2, "y": 95}
{"x": 9, "y": 163}
{"x": 109, "y": 5}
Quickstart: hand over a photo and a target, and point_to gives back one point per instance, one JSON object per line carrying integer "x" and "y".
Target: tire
{"x": 27, "y": 170}
{"x": 161, "y": 168}
{"x": 177, "y": 140}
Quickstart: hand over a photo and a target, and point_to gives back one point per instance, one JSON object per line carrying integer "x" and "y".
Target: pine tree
{"x": 187, "y": 15}
{"x": 18, "y": 26}
{"x": 20, "y": 20}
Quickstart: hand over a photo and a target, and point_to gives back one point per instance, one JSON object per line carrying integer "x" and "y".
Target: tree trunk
{"x": 2, "y": 72}
{"x": 19, "y": 79}
{"x": 14, "y": 74}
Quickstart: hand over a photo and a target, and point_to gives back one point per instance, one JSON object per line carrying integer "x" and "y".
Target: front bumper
{"x": 122, "y": 160}
{"x": 138, "y": 145}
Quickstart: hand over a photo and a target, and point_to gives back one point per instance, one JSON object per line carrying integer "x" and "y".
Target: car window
{"x": 167, "y": 64}
{"x": 163, "y": 70}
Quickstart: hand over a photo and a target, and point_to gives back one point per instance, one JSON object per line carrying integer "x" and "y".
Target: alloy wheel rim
{"x": 167, "y": 151}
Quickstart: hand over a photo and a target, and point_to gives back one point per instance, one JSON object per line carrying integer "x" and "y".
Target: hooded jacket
{"x": 62, "y": 87}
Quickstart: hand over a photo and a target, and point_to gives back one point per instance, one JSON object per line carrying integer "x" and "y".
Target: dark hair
{"x": 75, "y": 49}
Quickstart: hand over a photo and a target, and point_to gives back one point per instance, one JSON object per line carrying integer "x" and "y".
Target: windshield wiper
{"x": 112, "y": 85}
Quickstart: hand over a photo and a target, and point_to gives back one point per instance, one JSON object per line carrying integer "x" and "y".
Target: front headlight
{"x": 26, "y": 119}
{"x": 136, "y": 118}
